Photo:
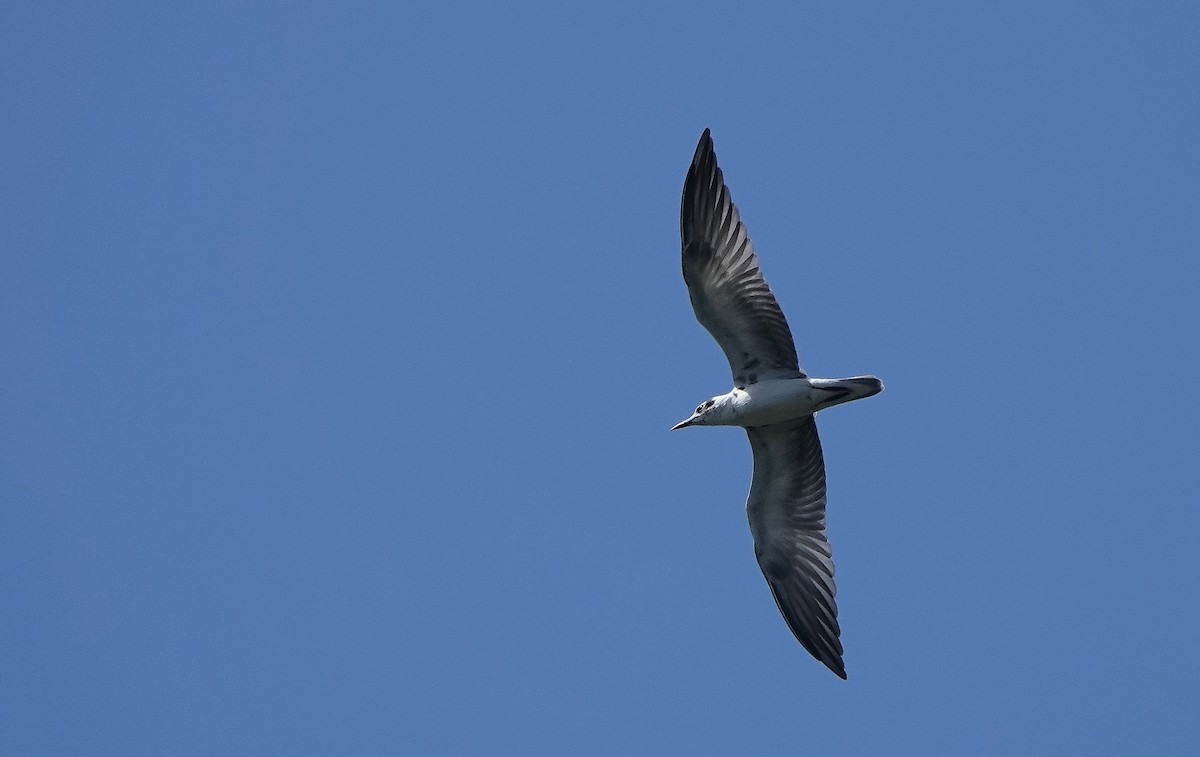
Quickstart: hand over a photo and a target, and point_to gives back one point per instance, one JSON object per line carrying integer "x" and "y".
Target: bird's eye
{"x": 699, "y": 408}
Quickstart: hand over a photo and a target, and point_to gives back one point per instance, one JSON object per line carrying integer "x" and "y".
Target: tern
{"x": 773, "y": 400}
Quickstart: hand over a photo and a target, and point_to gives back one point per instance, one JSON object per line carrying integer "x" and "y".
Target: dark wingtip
{"x": 701, "y": 189}
{"x": 705, "y": 145}
{"x": 834, "y": 663}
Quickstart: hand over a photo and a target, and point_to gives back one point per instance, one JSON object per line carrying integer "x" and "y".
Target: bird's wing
{"x": 786, "y": 508}
{"x": 728, "y": 292}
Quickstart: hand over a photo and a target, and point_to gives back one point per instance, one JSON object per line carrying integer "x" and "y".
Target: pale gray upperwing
{"x": 728, "y": 292}
{"x": 786, "y": 508}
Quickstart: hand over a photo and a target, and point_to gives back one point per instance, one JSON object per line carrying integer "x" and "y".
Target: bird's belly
{"x": 775, "y": 401}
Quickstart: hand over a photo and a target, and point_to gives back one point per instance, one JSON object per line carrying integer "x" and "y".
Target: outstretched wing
{"x": 728, "y": 292}
{"x": 786, "y": 508}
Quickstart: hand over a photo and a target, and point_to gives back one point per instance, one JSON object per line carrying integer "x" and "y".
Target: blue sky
{"x": 341, "y": 346}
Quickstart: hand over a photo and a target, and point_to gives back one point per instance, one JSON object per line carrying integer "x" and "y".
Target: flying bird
{"x": 773, "y": 400}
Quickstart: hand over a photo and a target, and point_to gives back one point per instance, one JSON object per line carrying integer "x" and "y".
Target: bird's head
{"x": 708, "y": 413}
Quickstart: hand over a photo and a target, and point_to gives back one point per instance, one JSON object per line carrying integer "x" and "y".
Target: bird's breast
{"x": 774, "y": 401}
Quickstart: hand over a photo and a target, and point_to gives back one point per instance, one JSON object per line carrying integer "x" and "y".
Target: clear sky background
{"x": 340, "y": 345}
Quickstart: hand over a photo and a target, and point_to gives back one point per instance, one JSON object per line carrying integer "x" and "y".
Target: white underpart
{"x": 772, "y": 401}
